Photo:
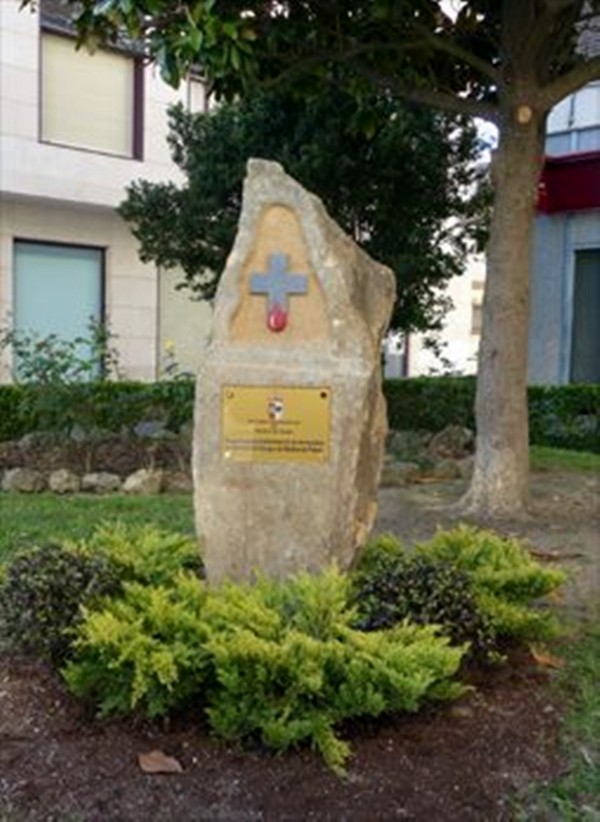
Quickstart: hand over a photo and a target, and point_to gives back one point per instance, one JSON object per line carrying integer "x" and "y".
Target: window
{"x": 585, "y": 332}
{"x": 90, "y": 101}
{"x": 197, "y": 99}
{"x": 57, "y": 288}
{"x": 476, "y": 318}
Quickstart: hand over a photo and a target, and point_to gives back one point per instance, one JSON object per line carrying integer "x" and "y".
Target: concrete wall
{"x": 183, "y": 326}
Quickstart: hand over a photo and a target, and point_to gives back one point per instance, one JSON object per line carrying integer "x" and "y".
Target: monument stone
{"x": 290, "y": 418}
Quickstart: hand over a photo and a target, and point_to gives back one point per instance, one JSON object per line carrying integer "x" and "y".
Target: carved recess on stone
{"x": 279, "y": 228}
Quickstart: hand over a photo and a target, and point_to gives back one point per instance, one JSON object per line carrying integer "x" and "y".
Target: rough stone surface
{"x": 453, "y": 441}
{"x": 177, "y": 482}
{"x": 23, "y": 480}
{"x": 101, "y": 482}
{"x": 396, "y": 474}
{"x": 63, "y": 481}
{"x": 446, "y": 469}
{"x": 278, "y": 517}
{"x": 144, "y": 481}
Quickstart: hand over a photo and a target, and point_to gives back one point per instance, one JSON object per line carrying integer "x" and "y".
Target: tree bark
{"x": 499, "y": 486}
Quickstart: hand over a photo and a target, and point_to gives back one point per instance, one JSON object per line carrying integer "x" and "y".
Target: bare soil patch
{"x": 464, "y": 761}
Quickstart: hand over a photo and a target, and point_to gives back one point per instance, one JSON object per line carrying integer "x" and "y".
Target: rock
{"x": 454, "y": 441}
{"x": 144, "y": 481}
{"x": 23, "y": 480}
{"x": 465, "y": 466}
{"x": 177, "y": 482}
{"x": 290, "y": 416}
{"x": 101, "y": 482}
{"x": 152, "y": 430}
{"x": 63, "y": 481}
{"x": 408, "y": 444}
{"x": 38, "y": 439}
{"x": 446, "y": 469}
{"x": 396, "y": 474}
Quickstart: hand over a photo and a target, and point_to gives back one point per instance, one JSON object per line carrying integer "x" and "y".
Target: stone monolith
{"x": 290, "y": 418}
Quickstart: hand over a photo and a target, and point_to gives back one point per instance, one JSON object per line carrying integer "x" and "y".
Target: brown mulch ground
{"x": 460, "y": 762}
{"x": 466, "y": 761}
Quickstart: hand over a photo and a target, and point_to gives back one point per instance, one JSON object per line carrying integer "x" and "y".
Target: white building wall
{"x": 458, "y": 342}
{"x": 61, "y": 194}
{"x": 131, "y": 287}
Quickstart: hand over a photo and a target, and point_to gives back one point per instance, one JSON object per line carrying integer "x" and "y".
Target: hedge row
{"x": 560, "y": 416}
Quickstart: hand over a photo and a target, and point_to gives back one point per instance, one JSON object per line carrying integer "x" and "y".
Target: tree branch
{"x": 582, "y": 74}
{"x": 442, "y": 44}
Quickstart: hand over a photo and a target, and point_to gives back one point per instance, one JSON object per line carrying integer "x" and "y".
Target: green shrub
{"x": 144, "y": 649}
{"x": 40, "y": 595}
{"x": 564, "y": 416}
{"x": 280, "y": 661}
{"x": 143, "y": 553}
{"x": 507, "y": 581}
{"x": 390, "y": 586}
{"x": 290, "y": 666}
{"x": 430, "y": 403}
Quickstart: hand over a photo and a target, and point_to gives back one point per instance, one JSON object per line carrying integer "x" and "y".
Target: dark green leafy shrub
{"x": 509, "y": 584}
{"x": 390, "y": 586}
{"x": 40, "y": 595}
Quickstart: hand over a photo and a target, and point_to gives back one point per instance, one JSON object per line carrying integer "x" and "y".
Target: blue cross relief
{"x": 278, "y": 284}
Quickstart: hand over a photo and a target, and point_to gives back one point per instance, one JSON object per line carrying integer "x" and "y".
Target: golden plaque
{"x": 275, "y": 423}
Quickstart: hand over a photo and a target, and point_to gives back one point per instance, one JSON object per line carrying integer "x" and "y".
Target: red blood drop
{"x": 277, "y": 319}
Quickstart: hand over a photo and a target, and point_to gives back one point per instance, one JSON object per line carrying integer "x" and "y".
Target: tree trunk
{"x": 499, "y": 486}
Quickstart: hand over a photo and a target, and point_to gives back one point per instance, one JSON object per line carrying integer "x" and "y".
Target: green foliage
{"x": 426, "y": 403}
{"x": 144, "y": 554}
{"x": 107, "y": 406}
{"x": 40, "y": 595}
{"x": 391, "y": 586}
{"x": 565, "y": 416}
{"x": 58, "y": 376}
{"x": 144, "y": 649}
{"x": 54, "y": 360}
{"x": 281, "y": 661}
{"x": 506, "y": 579}
{"x": 399, "y": 187}
{"x": 290, "y": 666}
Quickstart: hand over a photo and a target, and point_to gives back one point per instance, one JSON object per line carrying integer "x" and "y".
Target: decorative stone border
{"x": 63, "y": 481}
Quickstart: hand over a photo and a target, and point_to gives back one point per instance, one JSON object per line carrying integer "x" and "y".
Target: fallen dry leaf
{"x": 158, "y": 762}
{"x": 547, "y": 660}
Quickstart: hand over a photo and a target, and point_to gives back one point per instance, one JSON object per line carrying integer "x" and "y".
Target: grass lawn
{"x": 558, "y": 459}
{"x": 32, "y": 519}
{"x": 576, "y": 796}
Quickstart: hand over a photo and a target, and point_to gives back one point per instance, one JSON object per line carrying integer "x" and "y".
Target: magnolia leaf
{"x": 158, "y": 762}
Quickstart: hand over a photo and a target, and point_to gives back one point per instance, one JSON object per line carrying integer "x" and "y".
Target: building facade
{"x": 564, "y": 344}
{"x": 75, "y": 130}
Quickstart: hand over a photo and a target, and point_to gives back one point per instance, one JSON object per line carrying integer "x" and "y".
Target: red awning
{"x": 570, "y": 182}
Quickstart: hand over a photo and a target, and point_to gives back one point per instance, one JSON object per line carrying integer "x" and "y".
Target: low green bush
{"x": 41, "y": 590}
{"x": 507, "y": 581}
{"x": 391, "y": 586}
{"x": 564, "y": 416}
{"x": 290, "y": 666}
{"x": 144, "y": 649}
{"x": 40, "y": 595}
{"x": 478, "y": 586}
{"x": 144, "y": 554}
{"x": 278, "y": 661}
